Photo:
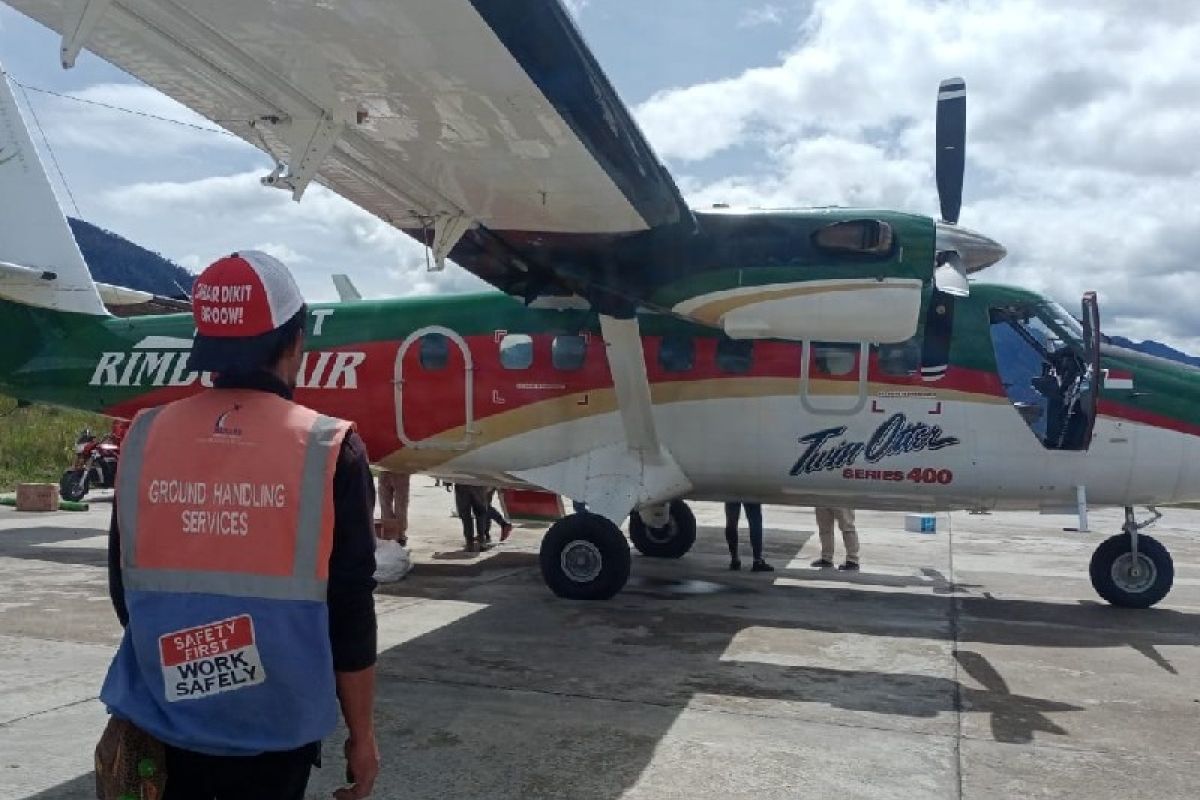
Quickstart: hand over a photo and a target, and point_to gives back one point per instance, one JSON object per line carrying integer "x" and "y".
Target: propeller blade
{"x": 951, "y": 277}
{"x": 939, "y": 331}
{"x": 951, "y": 141}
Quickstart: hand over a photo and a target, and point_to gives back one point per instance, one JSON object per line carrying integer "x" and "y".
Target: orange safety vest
{"x": 225, "y": 505}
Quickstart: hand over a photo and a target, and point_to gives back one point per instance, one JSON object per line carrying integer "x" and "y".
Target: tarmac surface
{"x": 974, "y": 663}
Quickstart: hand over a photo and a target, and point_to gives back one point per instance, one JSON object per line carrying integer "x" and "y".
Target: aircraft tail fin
{"x": 346, "y": 289}
{"x": 40, "y": 262}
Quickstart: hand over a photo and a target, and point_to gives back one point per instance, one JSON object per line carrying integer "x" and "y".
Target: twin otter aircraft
{"x": 648, "y": 353}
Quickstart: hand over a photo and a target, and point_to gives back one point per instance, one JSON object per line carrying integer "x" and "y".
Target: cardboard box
{"x": 920, "y": 523}
{"x": 37, "y": 497}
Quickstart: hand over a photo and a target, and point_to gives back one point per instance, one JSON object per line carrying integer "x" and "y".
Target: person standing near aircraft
{"x": 473, "y": 505}
{"x": 754, "y": 520}
{"x": 393, "y": 499}
{"x": 495, "y": 516}
{"x": 241, "y": 555}
{"x": 844, "y": 517}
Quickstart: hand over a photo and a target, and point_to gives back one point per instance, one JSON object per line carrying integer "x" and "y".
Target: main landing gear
{"x": 585, "y": 557}
{"x": 1131, "y": 570}
{"x": 664, "y": 532}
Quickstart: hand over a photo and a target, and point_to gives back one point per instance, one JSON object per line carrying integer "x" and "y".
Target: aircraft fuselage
{"x": 480, "y": 387}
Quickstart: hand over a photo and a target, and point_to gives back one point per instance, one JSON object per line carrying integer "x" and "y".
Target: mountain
{"x": 1153, "y": 348}
{"x": 116, "y": 260}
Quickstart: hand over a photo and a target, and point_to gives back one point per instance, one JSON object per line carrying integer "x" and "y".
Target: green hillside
{"x": 37, "y": 442}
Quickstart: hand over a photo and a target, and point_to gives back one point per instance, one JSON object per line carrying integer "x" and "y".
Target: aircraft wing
{"x": 438, "y": 116}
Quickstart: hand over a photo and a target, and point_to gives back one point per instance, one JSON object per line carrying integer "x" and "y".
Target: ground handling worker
{"x": 241, "y": 557}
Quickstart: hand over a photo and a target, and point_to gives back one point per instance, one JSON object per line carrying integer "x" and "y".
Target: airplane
{"x": 642, "y": 353}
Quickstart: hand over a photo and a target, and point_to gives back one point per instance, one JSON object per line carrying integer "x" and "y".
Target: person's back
{"x": 231, "y": 508}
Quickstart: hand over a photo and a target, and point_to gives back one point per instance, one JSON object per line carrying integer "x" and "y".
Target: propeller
{"x": 951, "y": 140}
{"x": 950, "y": 275}
{"x": 950, "y": 270}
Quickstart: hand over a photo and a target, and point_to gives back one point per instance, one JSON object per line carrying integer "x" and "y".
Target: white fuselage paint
{"x": 747, "y": 448}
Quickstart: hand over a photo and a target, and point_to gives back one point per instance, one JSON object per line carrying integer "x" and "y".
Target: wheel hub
{"x": 581, "y": 561}
{"x": 1132, "y": 576}
{"x": 664, "y": 534}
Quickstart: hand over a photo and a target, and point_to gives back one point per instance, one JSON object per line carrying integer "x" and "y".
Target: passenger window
{"x": 834, "y": 359}
{"x": 435, "y": 351}
{"x": 568, "y": 352}
{"x": 735, "y": 355}
{"x": 516, "y": 351}
{"x": 676, "y": 353}
{"x": 900, "y": 359}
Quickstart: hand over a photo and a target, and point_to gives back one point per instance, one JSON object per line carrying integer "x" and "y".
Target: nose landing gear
{"x": 1131, "y": 570}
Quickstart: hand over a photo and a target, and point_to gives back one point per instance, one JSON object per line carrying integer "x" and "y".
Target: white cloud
{"x": 1082, "y": 135}
{"x": 193, "y": 222}
{"x": 98, "y": 124}
{"x": 769, "y": 14}
{"x": 576, "y": 7}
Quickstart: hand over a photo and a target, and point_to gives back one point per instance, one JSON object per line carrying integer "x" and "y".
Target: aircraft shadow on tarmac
{"x": 37, "y": 544}
{"x": 536, "y": 696}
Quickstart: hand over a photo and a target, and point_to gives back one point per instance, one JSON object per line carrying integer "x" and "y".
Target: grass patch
{"x": 37, "y": 442}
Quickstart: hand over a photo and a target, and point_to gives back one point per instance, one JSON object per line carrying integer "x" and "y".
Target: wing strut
{"x": 627, "y": 362}
{"x": 634, "y": 471}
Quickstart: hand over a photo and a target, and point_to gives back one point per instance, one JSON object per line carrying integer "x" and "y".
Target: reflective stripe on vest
{"x": 147, "y": 566}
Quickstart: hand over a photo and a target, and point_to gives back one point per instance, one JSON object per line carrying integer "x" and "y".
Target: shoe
{"x": 469, "y": 547}
{"x": 849, "y": 566}
{"x": 823, "y": 563}
{"x": 735, "y": 564}
{"x": 486, "y": 544}
{"x": 761, "y": 566}
{"x": 505, "y": 532}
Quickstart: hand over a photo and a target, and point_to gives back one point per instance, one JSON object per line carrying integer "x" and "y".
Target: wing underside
{"x": 431, "y": 114}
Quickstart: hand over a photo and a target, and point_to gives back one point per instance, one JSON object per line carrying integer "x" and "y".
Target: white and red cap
{"x": 239, "y": 303}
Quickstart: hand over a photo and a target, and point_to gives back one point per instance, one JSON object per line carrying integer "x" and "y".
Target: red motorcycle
{"x": 95, "y": 463}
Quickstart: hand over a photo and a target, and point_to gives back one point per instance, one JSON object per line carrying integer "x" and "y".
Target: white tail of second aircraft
{"x": 40, "y": 262}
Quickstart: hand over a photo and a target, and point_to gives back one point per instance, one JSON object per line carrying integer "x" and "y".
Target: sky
{"x": 1083, "y": 144}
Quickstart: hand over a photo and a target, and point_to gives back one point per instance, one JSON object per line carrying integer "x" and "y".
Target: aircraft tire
{"x": 585, "y": 557}
{"x": 672, "y": 541}
{"x": 1110, "y": 572}
{"x": 73, "y": 485}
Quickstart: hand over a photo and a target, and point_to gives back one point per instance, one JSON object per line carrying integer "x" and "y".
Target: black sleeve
{"x": 352, "y": 562}
{"x": 116, "y": 586}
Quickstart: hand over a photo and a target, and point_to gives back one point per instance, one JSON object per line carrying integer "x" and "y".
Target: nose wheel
{"x": 1132, "y": 570}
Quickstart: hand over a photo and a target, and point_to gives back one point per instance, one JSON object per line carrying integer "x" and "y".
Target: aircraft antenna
{"x": 53, "y": 158}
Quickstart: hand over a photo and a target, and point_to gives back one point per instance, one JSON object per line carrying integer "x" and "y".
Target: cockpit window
{"x": 866, "y": 237}
{"x": 1040, "y": 358}
{"x": 1046, "y": 322}
{"x": 1057, "y": 316}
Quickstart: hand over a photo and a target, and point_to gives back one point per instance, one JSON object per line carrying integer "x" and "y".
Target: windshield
{"x": 1056, "y": 316}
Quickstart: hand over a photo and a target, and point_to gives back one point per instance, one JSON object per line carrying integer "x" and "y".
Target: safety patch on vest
{"x": 213, "y": 658}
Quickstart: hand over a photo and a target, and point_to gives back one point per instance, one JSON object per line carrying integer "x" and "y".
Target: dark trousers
{"x": 753, "y": 518}
{"x": 269, "y": 776}
{"x": 472, "y": 505}
{"x": 496, "y": 516}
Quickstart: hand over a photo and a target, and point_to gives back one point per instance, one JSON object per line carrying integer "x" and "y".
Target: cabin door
{"x": 434, "y": 390}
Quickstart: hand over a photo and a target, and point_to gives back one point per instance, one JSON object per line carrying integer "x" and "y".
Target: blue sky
{"x": 1084, "y": 125}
